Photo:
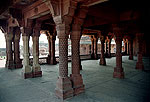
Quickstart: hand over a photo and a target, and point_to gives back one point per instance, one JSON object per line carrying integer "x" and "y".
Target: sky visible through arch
{"x": 42, "y": 38}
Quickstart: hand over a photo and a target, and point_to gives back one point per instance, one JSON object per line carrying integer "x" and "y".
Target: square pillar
{"x": 102, "y": 57}
{"x": 76, "y": 77}
{"x": 130, "y": 49}
{"x": 17, "y": 60}
{"x": 26, "y": 71}
{"x": 95, "y": 47}
{"x": 92, "y": 47}
{"x": 139, "y": 64}
{"x": 36, "y": 69}
{"x": 9, "y": 52}
{"x": 53, "y": 59}
{"x": 63, "y": 85}
{"x": 118, "y": 70}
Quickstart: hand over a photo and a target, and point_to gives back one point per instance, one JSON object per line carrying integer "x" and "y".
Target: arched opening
{"x": 2, "y": 50}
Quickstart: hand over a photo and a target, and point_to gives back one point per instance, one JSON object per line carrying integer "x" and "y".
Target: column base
{"x": 130, "y": 57}
{"x": 18, "y": 65}
{"x": 64, "y": 88}
{"x": 27, "y": 75}
{"x": 140, "y": 66}
{"x": 37, "y": 74}
{"x": 27, "y": 72}
{"x": 118, "y": 73}
{"x": 36, "y": 71}
{"x": 102, "y": 62}
{"x": 77, "y": 82}
{"x": 10, "y": 65}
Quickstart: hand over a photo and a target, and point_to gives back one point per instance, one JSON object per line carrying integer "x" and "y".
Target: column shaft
{"x": 18, "y": 62}
{"x": 92, "y": 48}
{"x": 118, "y": 70}
{"x": 27, "y": 72}
{"x": 131, "y": 49}
{"x": 109, "y": 48}
{"x": 9, "y": 52}
{"x": 102, "y": 57}
{"x": 49, "y": 47}
{"x": 53, "y": 60}
{"x": 95, "y": 48}
{"x": 139, "y": 64}
{"x": 36, "y": 69}
{"x": 63, "y": 86}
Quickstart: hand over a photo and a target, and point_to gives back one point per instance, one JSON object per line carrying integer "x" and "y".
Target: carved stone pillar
{"x": 17, "y": 60}
{"x": 102, "y": 57}
{"x": 49, "y": 47}
{"x": 109, "y": 48}
{"x": 92, "y": 47}
{"x": 106, "y": 48}
{"x": 36, "y": 69}
{"x": 76, "y": 77}
{"x": 9, "y": 52}
{"x": 139, "y": 64}
{"x": 26, "y": 71}
{"x": 95, "y": 47}
{"x": 63, "y": 85}
{"x": 53, "y": 59}
{"x": 125, "y": 46}
{"x": 130, "y": 49}
{"x": 118, "y": 70}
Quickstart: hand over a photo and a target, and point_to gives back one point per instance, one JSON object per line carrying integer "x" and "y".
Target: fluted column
{"x": 36, "y": 69}
{"x": 76, "y": 77}
{"x": 102, "y": 57}
{"x": 63, "y": 86}
{"x": 17, "y": 60}
{"x": 139, "y": 64}
{"x": 118, "y": 70}
{"x": 9, "y": 52}
{"x": 26, "y": 71}
{"x": 130, "y": 49}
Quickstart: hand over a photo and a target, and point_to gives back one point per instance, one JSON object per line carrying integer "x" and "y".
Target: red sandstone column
{"x": 63, "y": 86}
{"x": 53, "y": 60}
{"x": 9, "y": 52}
{"x": 76, "y": 77}
{"x": 127, "y": 46}
{"x": 131, "y": 49}
{"x": 49, "y": 47}
{"x": 139, "y": 64}
{"x": 118, "y": 70}
{"x": 36, "y": 69}
{"x": 109, "y": 47}
{"x": 106, "y": 48}
{"x": 18, "y": 62}
{"x": 102, "y": 57}
{"x": 95, "y": 47}
{"x": 92, "y": 47}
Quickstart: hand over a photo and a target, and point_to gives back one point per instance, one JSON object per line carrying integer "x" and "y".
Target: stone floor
{"x": 100, "y": 86}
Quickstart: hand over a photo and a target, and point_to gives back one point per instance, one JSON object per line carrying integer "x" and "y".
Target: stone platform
{"x": 100, "y": 86}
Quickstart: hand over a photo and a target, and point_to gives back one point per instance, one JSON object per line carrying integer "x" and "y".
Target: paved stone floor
{"x": 100, "y": 86}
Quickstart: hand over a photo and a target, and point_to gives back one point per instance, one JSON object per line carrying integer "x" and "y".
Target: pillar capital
{"x": 9, "y": 36}
{"x": 63, "y": 30}
{"x": 26, "y": 31}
